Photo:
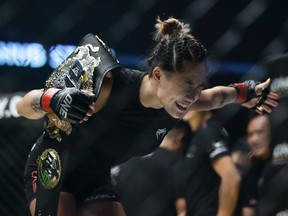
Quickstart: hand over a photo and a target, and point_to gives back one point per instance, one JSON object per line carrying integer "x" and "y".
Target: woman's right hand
{"x": 69, "y": 104}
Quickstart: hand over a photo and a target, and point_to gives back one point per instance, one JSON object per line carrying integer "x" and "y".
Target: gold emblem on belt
{"x": 49, "y": 168}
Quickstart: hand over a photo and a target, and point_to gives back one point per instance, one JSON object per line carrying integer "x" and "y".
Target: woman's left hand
{"x": 266, "y": 100}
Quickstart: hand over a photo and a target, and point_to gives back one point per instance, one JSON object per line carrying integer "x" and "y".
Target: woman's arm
{"x": 69, "y": 104}
{"x": 215, "y": 98}
{"x": 29, "y": 105}
{"x": 246, "y": 94}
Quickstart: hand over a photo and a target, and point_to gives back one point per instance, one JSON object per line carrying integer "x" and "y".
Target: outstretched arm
{"x": 248, "y": 96}
{"x": 215, "y": 98}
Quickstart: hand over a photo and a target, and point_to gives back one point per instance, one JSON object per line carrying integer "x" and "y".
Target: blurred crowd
{"x": 198, "y": 171}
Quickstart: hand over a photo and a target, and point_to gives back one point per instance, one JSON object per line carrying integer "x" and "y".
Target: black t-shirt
{"x": 122, "y": 129}
{"x": 273, "y": 185}
{"x": 208, "y": 144}
{"x": 266, "y": 185}
{"x": 249, "y": 194}
{"x": 149, "y": 185}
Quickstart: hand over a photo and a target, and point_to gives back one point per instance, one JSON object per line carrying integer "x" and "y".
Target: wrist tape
{"x": 242, "y": 92}
{"x": 46, "y": 98}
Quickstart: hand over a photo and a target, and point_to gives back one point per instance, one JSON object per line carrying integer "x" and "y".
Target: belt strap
{"x": 85, "y": 68}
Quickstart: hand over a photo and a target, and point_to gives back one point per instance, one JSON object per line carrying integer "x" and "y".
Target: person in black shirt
{"x": 214, "y": 179}
{"x": 265, "y": 185}
{"x": 259, "y": 141}
{"x": 240, "y": 154}
{"x": 132, "y": 113}
{"x": 153, "y": 185}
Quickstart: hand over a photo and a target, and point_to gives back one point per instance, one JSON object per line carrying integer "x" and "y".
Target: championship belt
{"x": 84, "y": 69}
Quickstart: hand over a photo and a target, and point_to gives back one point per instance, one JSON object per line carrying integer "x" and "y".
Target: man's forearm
{"x": 228, "y": 196}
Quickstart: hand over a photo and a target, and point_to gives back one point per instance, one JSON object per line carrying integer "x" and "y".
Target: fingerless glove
{"x": 69, "y": 104}
{"x": 245, "y": 90}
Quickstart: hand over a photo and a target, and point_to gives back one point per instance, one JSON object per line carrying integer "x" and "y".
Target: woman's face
{"x": 179, "y": 90}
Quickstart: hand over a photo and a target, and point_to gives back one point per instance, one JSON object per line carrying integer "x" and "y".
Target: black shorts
{"x": 86, "y": 187}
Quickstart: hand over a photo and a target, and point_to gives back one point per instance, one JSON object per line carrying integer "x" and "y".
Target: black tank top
{"x": 123, "y": 128}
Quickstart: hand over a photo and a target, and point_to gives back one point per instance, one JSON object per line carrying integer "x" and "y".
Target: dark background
{"x": 239, "y": 35}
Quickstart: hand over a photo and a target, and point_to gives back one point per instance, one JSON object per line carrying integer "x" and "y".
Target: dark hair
{"x": 252, "y": 115}
{"x": 174, "y": 44}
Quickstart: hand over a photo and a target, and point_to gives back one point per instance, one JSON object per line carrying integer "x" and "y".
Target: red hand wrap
{"x": 242, "y": 91}
{"x": 46, "y": 99}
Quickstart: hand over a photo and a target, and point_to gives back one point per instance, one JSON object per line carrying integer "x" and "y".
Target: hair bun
{"x": 170, "y": 28}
